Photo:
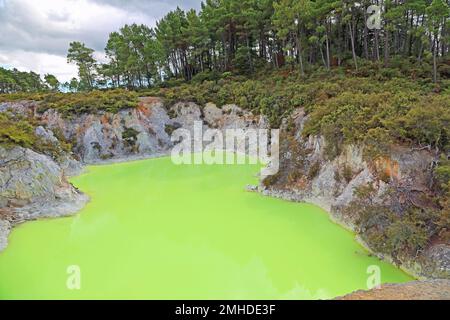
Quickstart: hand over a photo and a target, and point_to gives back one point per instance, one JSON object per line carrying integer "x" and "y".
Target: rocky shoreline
{"x": 35, "y": 186}
{"x": 308, "y": 175}
{"x": 327, "y": 206}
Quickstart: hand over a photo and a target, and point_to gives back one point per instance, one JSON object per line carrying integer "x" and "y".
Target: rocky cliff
{"x": 367, "y": 196}
{"x": 33, "y": 186}
{"x": 143, "y": 131}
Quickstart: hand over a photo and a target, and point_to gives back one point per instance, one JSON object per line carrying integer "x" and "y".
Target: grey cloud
{"x": 56, "y": 16}
{"x": 22, "y": 29}
{"x": 35, "y": 35}
{"x": 155, "y": 8}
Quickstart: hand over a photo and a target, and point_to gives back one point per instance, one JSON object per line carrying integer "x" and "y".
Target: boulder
{"x": 33, "y": 185}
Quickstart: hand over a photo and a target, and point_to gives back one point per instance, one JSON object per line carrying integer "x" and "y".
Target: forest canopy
{"x": 242, "y": 37}
{"x": 12, "y": 81}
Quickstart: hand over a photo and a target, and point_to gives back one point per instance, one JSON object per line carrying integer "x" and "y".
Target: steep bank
{"x": 367, "y": 196}
{"x": 142, "y": 131}
{"x": 34, "y": 165}
{"x": 33, "y": 186}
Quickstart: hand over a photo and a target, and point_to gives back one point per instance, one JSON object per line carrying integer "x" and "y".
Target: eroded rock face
{"x": 186, "y": 114}
{"x": 26, "y": 176}
{"x": 104, "y": 136}
{"x": 306, "y": 174}
{"x": 131, "y": 133}
{"x": 24, "y": 108}
{"x": 212, "y": 115}
{"x": 146, "y": 130}
{"x": 32, "y": 185}
{"x": 437, "y": 261}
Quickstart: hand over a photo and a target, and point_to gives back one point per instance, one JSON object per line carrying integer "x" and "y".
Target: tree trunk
{"x": 386, "y": 48}
{"x": 352, "y": 40}
{"x": 376, "y": 49}
{"x": 366, "y": 35}
{"x": 300, "y": 55}
{"x": 435, "y": 59}
{"x": 322, "y": 56}
{"x": 249, "y": 54}
{"x": 386, "y": 42}
{"x": 328, "y": 51}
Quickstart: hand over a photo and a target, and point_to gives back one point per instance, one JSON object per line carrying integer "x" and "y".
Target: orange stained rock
{"x": 150, "y": 100}
{"x": 143, "y": 109}
{"x": 104, "y": 120}
{"x": 388, "y": 167}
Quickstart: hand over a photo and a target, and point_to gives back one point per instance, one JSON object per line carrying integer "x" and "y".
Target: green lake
{"x": 154, "y": 230}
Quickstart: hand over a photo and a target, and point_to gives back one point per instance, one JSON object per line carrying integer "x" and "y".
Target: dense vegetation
{"x": 379, "y": 118}
{"x": 72, "y": 104}
{"x": 402, "y": 229}
{"x": 16, "y": 131}
{"x": 20, "y": 130}
{"x": 243, "y": 36}
{"x": 12, "y": 81}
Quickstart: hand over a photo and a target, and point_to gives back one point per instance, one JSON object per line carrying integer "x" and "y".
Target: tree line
{"x": 12, "y": 81}
{"x": 243, "y": 36}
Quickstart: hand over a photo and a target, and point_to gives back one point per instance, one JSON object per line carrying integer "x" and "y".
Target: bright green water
{"x": 158, "y": 231}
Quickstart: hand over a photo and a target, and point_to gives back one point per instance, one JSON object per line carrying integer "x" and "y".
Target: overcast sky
{"x": 35, "y": 34}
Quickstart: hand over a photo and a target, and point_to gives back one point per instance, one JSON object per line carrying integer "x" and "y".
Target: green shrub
{"x": 72, "y": 104}
{"x": 16, "y": 131}
{"x": 401, "y": 233}
{"x": 347, "y": 173}
{"x": 129, "y": 136}
{"x": 314, "y": 170}
{"x": 405, "y": 236}
{"x": 442, "y": 175}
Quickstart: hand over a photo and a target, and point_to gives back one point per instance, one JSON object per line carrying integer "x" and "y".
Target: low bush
{"x": 72, "y": 104}
{"x": 16, "y": 130}
{"x": 400, "y": 234}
